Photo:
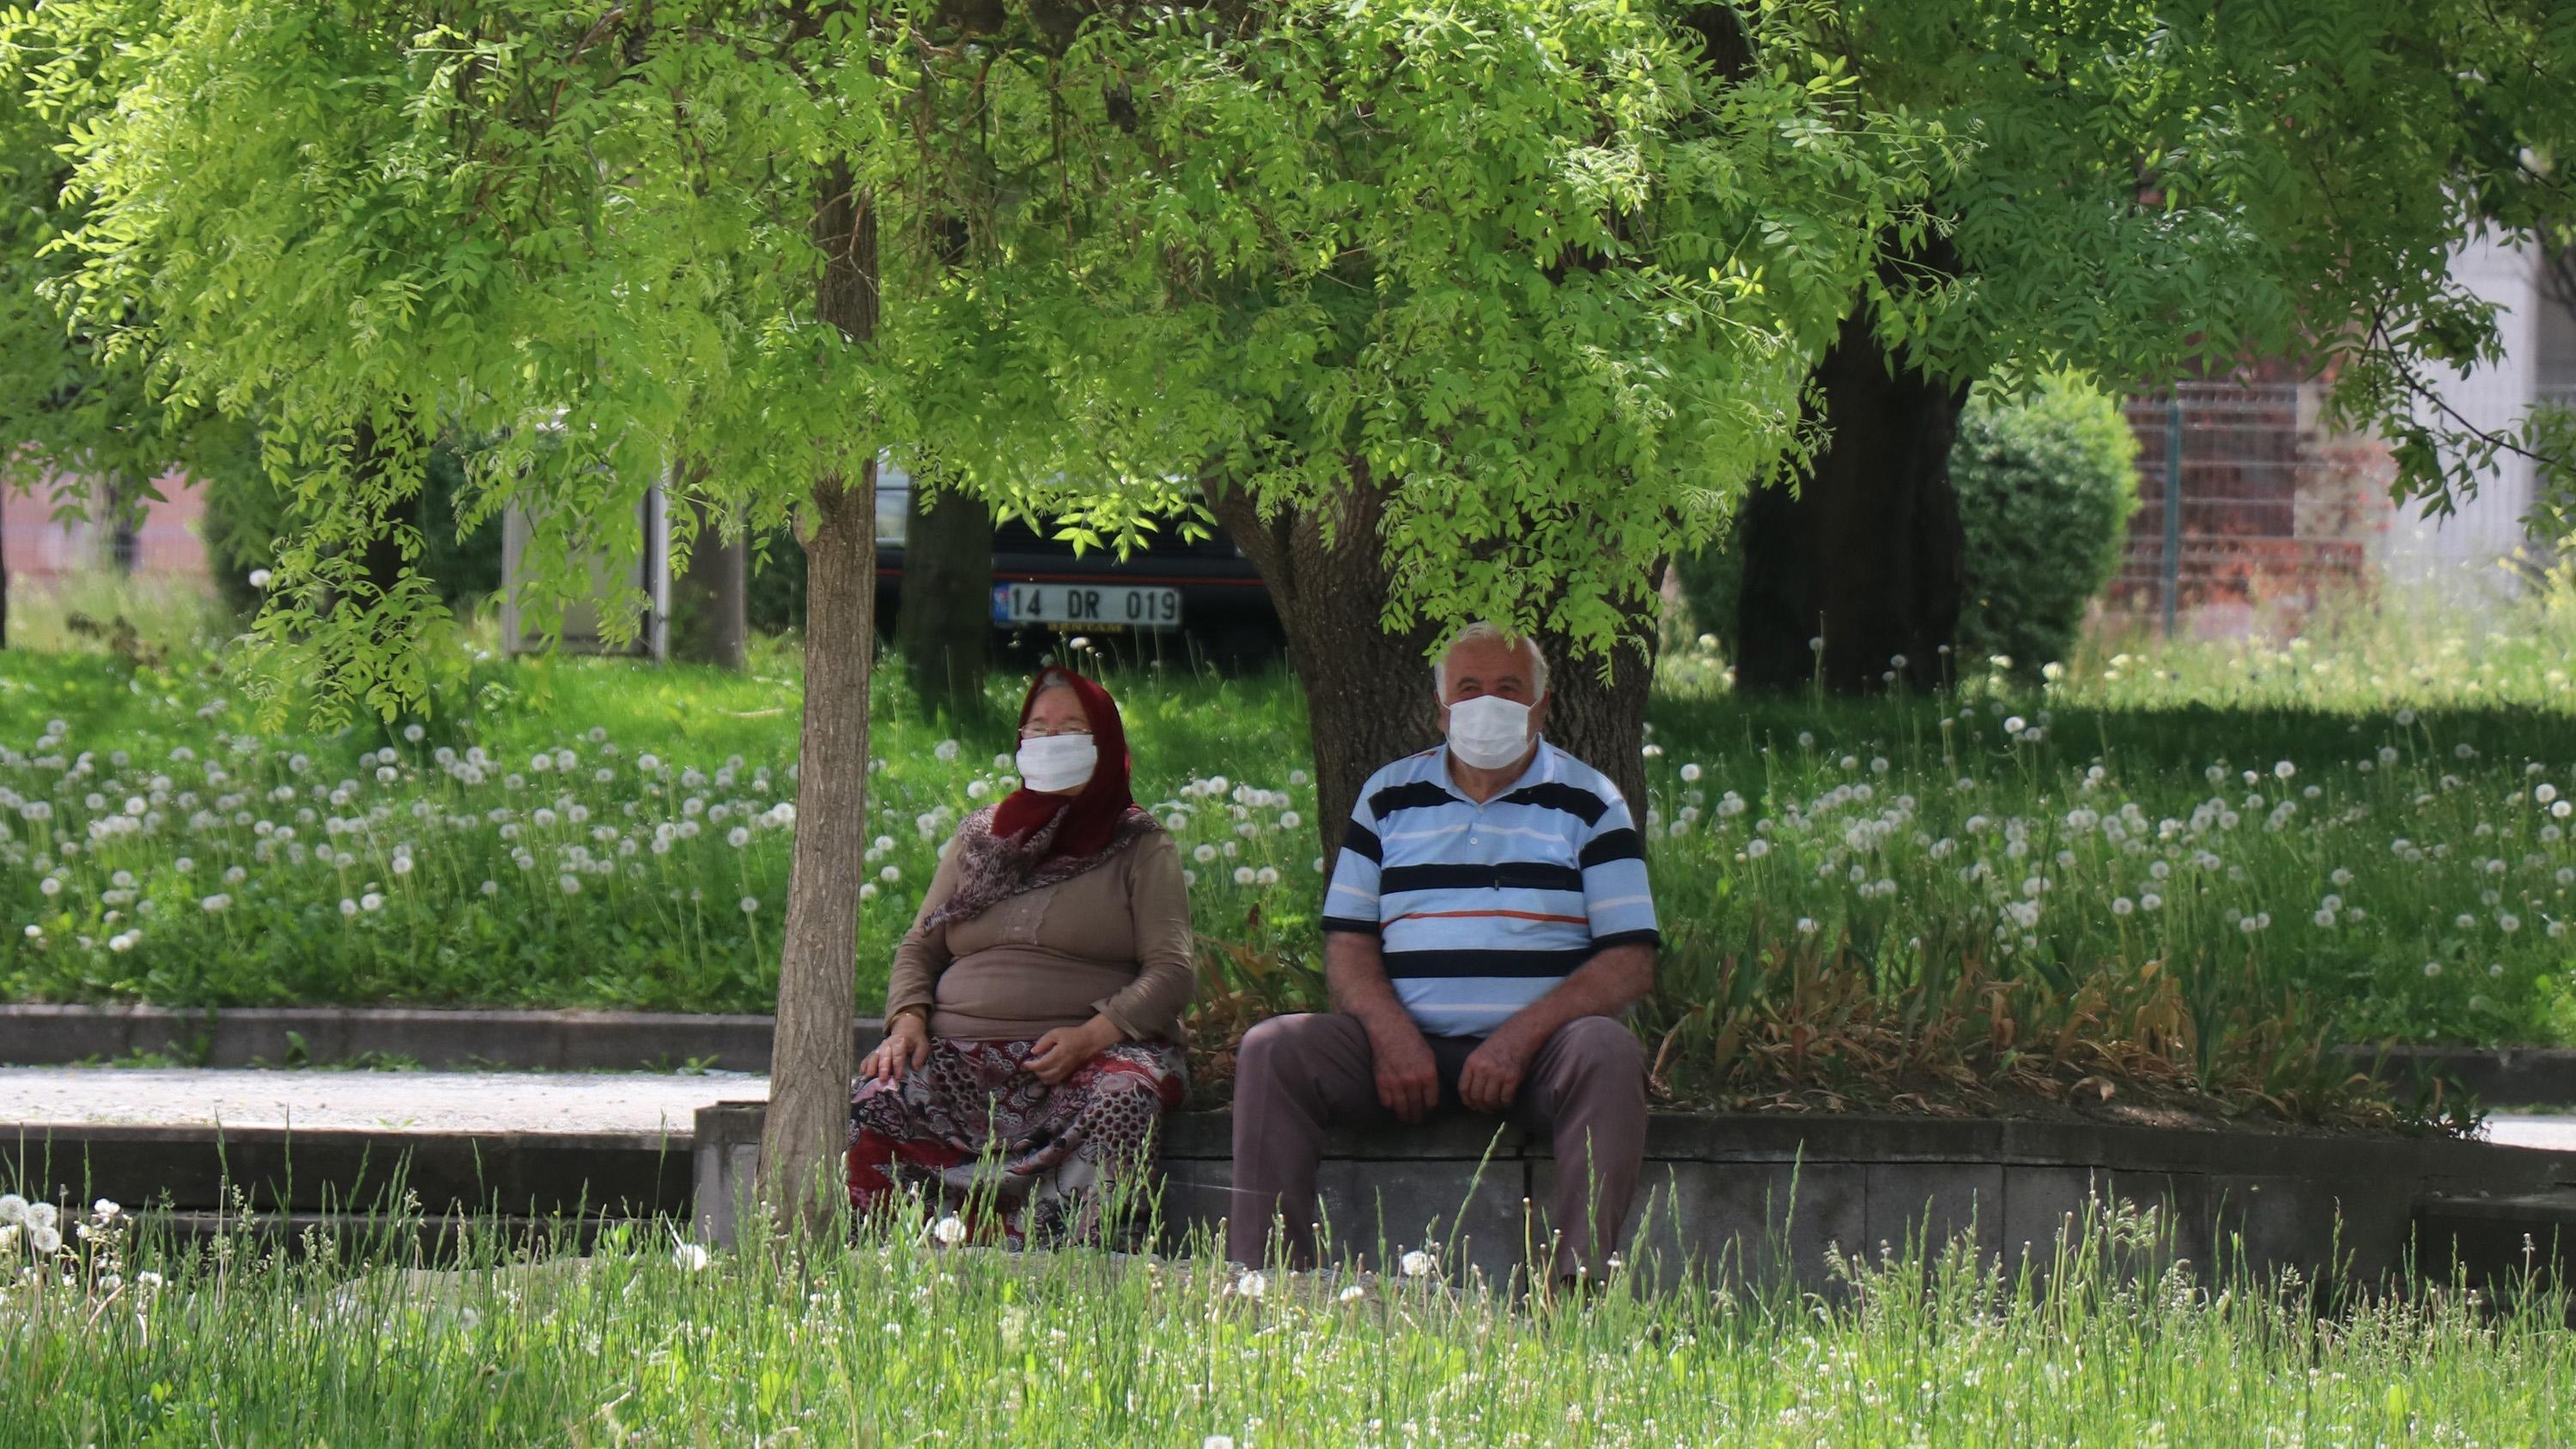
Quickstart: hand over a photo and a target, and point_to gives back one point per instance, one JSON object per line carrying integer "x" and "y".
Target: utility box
{"x": 636, "y": 566}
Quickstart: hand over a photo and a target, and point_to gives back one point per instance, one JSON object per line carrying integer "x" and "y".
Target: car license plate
{"x": 1087, "y": 606}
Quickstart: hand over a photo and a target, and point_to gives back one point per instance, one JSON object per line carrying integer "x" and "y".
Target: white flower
{"x": 1290, "y": 819}
{"x": 371, "y": 901}
{"x": 259, "y": 578}
{"x": 750, "y": 905}
{"x": 1690, "y": 774}
{"x": 1244, "y": 875}
{"x": 491, "y": 887}
{"x": 738, "y": 837}
{"x": 2013, "y": 725}
{"x": 950, "y": 1230}
{"x": 1203, "y": 854}
{"x": 890, "y": 874}
{"x": 44, "y": 1240}
{"x": 867, "y": 890}
{"x": 104, "y": 1209}
{"x": 883, "y": 842}
{"x": 216, "y": 903}
{"x": 2544, "y": 793}
{"x": 1416, "y": 1264}
{"x": 147, "y": 1280}
{"x": 570, "y": 883}
{"x": 945, "y": 750}
{"x": 2122, "y": 905}
{"x": 13, "y": 1209}
{"x": 1252, "y": 1285}
{"x": 1806, "y": 925}
{"x": 977, "y": 789}
{"x": 2284, "y": 770}
{"x": 348, "y": 907}
{"x": 1226, "y": 1441}
{"x": 1352, "y": 1294}
{"x": 2432, "y": 968}
{"x": 691, "y": 1257}
{"x": 43, "y": 1215}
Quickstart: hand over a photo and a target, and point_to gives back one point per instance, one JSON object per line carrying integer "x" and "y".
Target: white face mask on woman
{"x": 1058, "y": 764}
{"x": 1489, "y": 732}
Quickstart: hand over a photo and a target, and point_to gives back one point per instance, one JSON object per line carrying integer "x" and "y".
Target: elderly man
{"x": 1487, "y": 924}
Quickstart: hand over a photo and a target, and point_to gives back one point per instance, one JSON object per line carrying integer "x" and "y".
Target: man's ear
{"x": 1538, "y": 712}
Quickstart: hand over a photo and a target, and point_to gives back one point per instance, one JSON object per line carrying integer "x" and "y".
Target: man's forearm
{"x": 1355, "y": 974}
{"x": 1606, "y": 985}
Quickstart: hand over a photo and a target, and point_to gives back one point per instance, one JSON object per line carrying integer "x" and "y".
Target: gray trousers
{"x": 1296, "y": 1077}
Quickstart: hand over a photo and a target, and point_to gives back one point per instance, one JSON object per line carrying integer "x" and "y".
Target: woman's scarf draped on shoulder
{"x": 1031, "y": 840}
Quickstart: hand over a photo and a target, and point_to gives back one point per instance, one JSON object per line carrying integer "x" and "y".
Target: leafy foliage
{"x": 2047, "y": 480}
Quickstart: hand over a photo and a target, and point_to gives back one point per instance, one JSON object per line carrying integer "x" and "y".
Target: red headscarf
{"x": 1092, "y": 817}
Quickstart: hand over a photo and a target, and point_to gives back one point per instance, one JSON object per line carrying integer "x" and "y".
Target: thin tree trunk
{"x": 1369, "y": 694}
{"x": 945, "y": 624}
{"x": 709, "y": 601}
{"x": 1867, "y": 555}
{"x": 810, "y": 1058}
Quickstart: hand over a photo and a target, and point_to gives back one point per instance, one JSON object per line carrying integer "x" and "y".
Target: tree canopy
{"x": 1546, "y": 276}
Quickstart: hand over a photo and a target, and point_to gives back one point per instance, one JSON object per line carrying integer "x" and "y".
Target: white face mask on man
{"x": 1489, "y": 732}
{"x": 1058, "y": 764}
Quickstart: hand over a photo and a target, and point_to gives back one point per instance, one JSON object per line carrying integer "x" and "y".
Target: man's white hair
{"x": 1485, "y": 631}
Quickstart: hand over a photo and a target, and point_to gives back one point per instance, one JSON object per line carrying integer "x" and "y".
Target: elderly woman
{"x": 1033, "y": 1011}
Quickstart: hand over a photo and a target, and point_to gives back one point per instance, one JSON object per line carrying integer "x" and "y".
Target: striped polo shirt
{"x": 1483, "y": 909}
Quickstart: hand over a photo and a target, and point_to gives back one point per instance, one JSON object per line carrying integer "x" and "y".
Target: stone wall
{"x": 1773, "y": 1193}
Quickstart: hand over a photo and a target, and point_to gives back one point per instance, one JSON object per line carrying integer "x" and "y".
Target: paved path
{"x": 2555, "y": 1133}
{"x": 499, "y": 1101}
{"x": 373, "y": 1101}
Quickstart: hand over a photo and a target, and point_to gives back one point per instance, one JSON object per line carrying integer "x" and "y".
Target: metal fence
{"x": 2249, "y": 515}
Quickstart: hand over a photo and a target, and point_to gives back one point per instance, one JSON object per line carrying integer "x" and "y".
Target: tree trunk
{"x": 707, "y": 606}
{"x": 1369, "y": 694}
{"x": 946, "y": 620}
{"x": 1867, "y": 555}
{"x": 810, "y": 1059}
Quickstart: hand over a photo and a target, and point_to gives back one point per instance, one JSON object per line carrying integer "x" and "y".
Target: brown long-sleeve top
{"x": 1114, "y": 940}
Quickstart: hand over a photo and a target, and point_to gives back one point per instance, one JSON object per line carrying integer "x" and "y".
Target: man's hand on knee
{"x": 1407, "y": 1081}
{"x": 1492, "y": 1076}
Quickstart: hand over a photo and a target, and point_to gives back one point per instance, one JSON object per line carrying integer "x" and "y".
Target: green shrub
{"x": 247, "y": 514}
{"x": 2047, "y": 480}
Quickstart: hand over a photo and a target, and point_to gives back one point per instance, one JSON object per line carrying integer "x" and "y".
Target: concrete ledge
{"x": 630, "y": 1040}
{"x": 1776, "y": 1193}
{"x": 450, "y": 1040}
{"x": 273, "y": 1170}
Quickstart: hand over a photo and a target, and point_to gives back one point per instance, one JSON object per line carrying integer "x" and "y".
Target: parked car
{"x": 1174, "y": 596}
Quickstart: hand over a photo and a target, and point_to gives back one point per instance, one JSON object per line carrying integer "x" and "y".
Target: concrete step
{"x": 2495, "y": 1240}
{"x": 344, "y": 1172}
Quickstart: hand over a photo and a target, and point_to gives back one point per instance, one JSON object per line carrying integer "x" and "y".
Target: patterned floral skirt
{"x": 977, "y": 1134}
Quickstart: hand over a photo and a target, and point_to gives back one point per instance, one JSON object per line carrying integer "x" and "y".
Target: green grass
{"x": 891, "y": 1341}
{"x": 2190, "y": 854}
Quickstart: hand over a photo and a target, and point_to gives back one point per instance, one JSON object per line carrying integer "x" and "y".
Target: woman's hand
{"x": 906, "y": 1045}
{"x": 1063, "y": 1051}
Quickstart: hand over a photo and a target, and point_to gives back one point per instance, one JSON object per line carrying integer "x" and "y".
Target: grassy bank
{"x": 892, "y": 1341}
{"x": 2126, "y": 873}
